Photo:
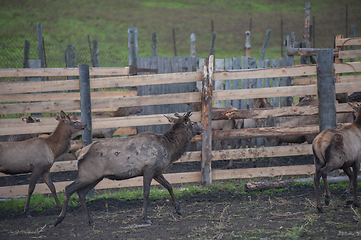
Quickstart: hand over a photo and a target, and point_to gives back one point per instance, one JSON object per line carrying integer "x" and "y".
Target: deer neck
{"x": 177, "y": 141}
{"x": 59, "y": 140}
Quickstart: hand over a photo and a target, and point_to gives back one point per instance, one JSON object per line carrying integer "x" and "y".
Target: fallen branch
{"x": 264, "y": 185}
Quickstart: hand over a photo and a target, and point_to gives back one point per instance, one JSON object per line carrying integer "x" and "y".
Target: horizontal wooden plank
{"x": 305, "y": 51}
{"x": 99, "y": 104}
{"x": 173, "y": 178}
{"x": 109, "y": 82}
{"x": 349, "y": 54}
{"x": 63, "y": 96}
{"x": 234, "y": 154}
{"x": 43, "y": 72}
{"x": 299, "y": 70}
{"x": 129, "y": 121}
{"x": 16, "y": 126}
{"x": 292, "y": 91}
{"x": 263, "y": 172}
{"x": 276, "y": 112}
{"x": 349, "y": 67}
{"x": 343, "y": 42}
{"x": 313, "y": 80}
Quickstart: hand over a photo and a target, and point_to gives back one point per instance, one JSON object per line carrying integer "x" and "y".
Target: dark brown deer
{"x": 146, "y": 154}
{"x": 37, "y": 155}
{"x": 338, "y": 149}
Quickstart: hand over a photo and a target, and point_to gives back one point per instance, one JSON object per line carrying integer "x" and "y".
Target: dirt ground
{"x": 287, "y": 213}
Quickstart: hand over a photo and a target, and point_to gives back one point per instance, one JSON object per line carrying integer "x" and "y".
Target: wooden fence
{"x": 15, "y": 98}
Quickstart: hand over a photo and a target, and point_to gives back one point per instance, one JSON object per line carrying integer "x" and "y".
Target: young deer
{"x": 37, "y": 155}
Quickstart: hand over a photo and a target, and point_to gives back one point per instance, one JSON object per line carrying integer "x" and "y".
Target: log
{"x": 264, "y": 185}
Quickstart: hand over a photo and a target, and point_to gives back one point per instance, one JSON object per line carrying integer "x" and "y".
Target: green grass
{"x": 69, "y": 22}
{"x": 40, "y": 202}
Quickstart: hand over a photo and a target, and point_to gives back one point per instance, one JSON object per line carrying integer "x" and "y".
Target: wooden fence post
{"x": 265, "y": 44}
{"x": 26, "y": 56}
{"x": 236, "y": 66}
{"x": 85, "y": 103}
{"x": 306, "y": 35}
{"x": 326, "y": 89}
{"x": 193, "y": 45}
{"x": 95, "y": 54}
{"x": 353, "y": 34}
{"x": 40, "y": 44}
{"x": 247, "y": 45}
{"x": 71, "y": 60}
{"x": 133, "y": 49}
{"x": 35, "y": 64}
{"x": 207, "y": 87}
{"x": 213, "y": 41}
{"x": 154, "y": 44}
{"x": 219, "y": 85}
{"x": 174, "y": 43}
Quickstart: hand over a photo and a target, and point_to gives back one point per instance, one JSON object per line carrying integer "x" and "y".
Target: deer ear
{"x": 63, "y": 115}
{"x": 57, "y": 117}
{"x": 170, "y": 119}
{"x": 30, "y": 120}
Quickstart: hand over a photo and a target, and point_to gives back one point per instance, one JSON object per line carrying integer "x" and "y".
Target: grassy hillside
{"x": 70, "y": 21}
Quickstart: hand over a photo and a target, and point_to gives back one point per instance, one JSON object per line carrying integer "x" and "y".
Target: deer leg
{"x": 50, "y": 184}
{"x": 317, "y": 183}
{"x": 147, "y": 179}
{"x": 69, "y": 190}
{"x": 160, "y": 179}
{"x": 356, "y": 169}
{"x": 324, "y": 171}
{"x": 82, "y": 194}
{"x": 348, "y": 172}
{"x": 33, "y": 179}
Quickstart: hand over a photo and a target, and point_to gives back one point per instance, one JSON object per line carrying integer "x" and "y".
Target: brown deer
{"x": 338, "y": 149}
{"x": 37, "y": 155}
{"x": 146, "y": 154}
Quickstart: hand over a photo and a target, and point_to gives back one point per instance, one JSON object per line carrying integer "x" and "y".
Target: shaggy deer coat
{"x": 338, "y": 149}
{"x": 146, "y": 154}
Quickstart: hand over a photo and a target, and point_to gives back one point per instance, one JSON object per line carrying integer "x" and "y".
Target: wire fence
{"x": 230, "y": 40}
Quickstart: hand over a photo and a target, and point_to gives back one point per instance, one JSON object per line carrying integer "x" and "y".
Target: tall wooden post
{"x": 40, "y": 44}
{"x": 133, "y": 49}
{"x": 213, "y": 41}
{"x": 154, "y": 44}
{"x": 35, "y": 64}
{"x": 85, "y": 103}
{"x": 326, "y": 89}
{"x": 193, "y": 45}
{"x": 95, "y": 54}
{"x": 71, "y": 59}
{"x": 265, "y": 44}
{"x": 26, "y": 56}
{"x": 247, "y": 45}
{"x": 306, "y": 35}
{"x": 207, "y": 88}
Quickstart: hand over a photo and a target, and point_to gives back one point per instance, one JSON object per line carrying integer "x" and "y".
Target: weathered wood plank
{"x": 100, "y": 104}
{"x": 313, "y": 80}
{"x": 265, "y": 73}
{"x": 349, "y": 54}
{"x": 63, "y": 96}
{"x": 173, "y": 178}
{"x": 44, "y": 72}
{"x": 343, "y": 42}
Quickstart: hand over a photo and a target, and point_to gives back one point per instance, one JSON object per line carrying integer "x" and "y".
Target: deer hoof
{"x": 179, "y": 211}
{"x": 91, "y": 223}
{"x": 147, "y": 221}
{"x": 327, "y": 200}
{"x": 27, "y": 215}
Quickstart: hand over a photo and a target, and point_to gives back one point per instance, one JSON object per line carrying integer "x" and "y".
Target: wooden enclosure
{"x": 53, "y": 96}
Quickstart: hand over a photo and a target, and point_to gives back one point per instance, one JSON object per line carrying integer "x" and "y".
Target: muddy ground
{"x": 287, "y": 213}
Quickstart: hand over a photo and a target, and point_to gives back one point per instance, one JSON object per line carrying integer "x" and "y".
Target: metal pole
{"x": 85, "y": 103}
